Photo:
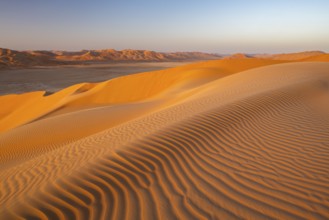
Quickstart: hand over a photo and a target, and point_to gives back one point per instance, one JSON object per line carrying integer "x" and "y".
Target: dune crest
{"x": 226, "y": 139}
{"x": 293, "y": 56}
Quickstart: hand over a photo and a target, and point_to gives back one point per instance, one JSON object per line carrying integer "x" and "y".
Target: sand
{"x": 55, "y": 78}
{"x": 227, "y": 139}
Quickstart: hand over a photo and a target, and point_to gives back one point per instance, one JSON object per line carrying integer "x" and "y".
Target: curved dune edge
{"x": 253, "y": 144}
{"x": 24, "y": 108}
{"x": 48, "y": 122}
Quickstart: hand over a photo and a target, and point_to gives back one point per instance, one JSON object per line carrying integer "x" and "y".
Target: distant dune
{"x": 292, "y": 56}
{"x": 234, "y": 138}
{"x": 320, "y": 57}
{"x": 132, "y": 55}
{"x": 13, "y": 58}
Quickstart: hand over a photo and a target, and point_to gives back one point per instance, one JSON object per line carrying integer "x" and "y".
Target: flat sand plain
{"x": 227, "y": 139}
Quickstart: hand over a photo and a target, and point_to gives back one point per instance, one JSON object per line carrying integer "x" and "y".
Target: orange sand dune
{"x": 14, "y": 58}
{"x": 321, "y": 58}
{"x": 227, "y": 139}
{"x": 89, "y": 105}
{"x": 31, "y": 106}
{"x": 292, "y": 56}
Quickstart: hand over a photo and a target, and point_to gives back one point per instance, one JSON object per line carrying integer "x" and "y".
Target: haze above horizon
{"x": 208, "y": 26}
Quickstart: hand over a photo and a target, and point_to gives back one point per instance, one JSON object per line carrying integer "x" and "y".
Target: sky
{"x": 215, "y": 26}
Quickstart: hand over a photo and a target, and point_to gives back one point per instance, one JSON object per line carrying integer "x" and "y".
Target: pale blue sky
{"x": 218, "y": 26}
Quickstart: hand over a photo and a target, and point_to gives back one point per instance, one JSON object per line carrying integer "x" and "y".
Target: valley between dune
{"x": 242, "y": 138}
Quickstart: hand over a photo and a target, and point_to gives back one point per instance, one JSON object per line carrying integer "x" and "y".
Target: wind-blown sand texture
{"x": 228, "y": 139}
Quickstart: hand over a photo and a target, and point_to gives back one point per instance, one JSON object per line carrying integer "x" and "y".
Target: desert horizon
{"x": 205, "y": 132}
{"x": 52, "y": 71}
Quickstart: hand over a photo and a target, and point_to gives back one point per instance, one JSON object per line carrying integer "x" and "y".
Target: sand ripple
{"x": 252, "y": 145}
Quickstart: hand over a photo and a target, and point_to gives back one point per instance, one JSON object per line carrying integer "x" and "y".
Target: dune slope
{"x": 225, "y": 139}
{"x": 48, "y": 122}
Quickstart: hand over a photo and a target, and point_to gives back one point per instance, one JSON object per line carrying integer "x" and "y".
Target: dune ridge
{"x": 292, "y": 56}
{"x": 227, "y": 139}
{"x": 14, "y": 58}
{"x": 22, "y": 59}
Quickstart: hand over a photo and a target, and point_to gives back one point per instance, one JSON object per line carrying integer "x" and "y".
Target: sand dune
{"x": 14, "y": 58}
{"x": 292, "y": 56}
{"x": 132, "y": 55}
{"x": 227, "y": 139}
{"x": 31, "y": 106}
{"x": 321, "y": 58}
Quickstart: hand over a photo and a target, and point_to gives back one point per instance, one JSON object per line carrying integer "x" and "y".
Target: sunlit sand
{"x": 240, "y": 137}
